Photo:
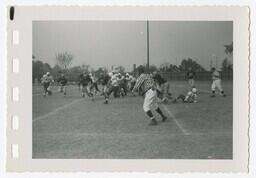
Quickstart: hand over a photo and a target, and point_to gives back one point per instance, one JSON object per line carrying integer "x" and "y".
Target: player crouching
{"x": 47, "y": 80}
{"x": 62, "y": 81}
{"x": 191, "y": 97}
{"x": 216, "y": 82}
{"x": 146, "y": 84}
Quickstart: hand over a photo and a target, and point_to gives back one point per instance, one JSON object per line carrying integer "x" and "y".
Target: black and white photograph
{"x": 127, "y": 89}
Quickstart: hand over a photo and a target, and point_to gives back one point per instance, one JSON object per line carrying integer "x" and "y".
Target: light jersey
{"x": 47, "y": 79}
{"x": 215, "y": 75}
{"x": 191, "y": 97}
{"x": 114, "y": 81}
{"x": 93, "y": 79}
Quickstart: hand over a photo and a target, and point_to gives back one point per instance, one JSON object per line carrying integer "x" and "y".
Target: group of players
{"x": 153, "y": 87}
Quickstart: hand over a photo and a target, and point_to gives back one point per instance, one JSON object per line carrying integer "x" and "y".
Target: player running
{"x": 216, "y": 82}
{"x": 146, "y": 84}
{"x": 47, "y": 80}
{"x": 191, "y": 75}
{"x": 191, "y": 97}
{"x": 104, "y": 81}
{"x": 94, "y": 83}
{"x": 113, "y": 87}
{"x": 86, "y": 83}
{"x": 62, "y": 81}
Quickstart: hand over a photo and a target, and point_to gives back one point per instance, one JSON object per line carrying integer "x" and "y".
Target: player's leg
{"x": 107, "y": 92}
{"x": 192, "y": 82}
{"x": 155, "y": 106}
{"x": 147, "y": 107}
{"x": 49, "y": 90}
{"x": 45, "y": 89}
{"x": 83, "y": 90}
{"x": 213, "y": 88}
{"x": 64, "y": 90}
{"x": 219, "y": 86}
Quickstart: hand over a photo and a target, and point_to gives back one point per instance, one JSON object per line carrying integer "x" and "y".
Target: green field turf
{"x": 75, "y": 127}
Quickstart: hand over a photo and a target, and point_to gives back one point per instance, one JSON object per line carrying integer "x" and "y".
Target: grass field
{"x": 75, "y": 127}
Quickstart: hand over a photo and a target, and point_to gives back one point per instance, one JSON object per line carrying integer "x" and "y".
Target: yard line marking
{"x": 57, "y": 110}
{"x": 175, "y": 120}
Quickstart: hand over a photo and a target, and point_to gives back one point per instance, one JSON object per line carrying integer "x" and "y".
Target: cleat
{"x": 212, "y": 96}
{"x": 153, "y": 122}
{"x": 105, "y": 102}
{"x": 224, "y": 95}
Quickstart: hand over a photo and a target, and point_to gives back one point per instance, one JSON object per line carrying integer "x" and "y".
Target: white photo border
{"x": 24, "y": 15}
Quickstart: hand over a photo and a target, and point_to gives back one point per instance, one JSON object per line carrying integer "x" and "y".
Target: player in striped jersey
{"x": 146, "y": 85}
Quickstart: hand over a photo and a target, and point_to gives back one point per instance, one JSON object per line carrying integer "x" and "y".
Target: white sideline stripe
{"x": 176, "y": 121}
{"x": 56, "y": 110}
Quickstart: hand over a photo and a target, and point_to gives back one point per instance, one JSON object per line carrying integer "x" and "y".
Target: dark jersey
{"x": 104, "y": 79}
{"x": 62, "y": 80}
{"x": 191, "y": 74}
{"x": 85, "y": 80}
{"x": 159, "y": 79}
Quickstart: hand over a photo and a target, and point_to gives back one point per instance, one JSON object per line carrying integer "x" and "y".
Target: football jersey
{"x": 144, "y": 83}
{"x": 215, "y": 75}
{"x": 47, "y": 79}
{"x": 62, "y": 80}
{"x": 191, "y": 74}
{"x": 85, "y": 80}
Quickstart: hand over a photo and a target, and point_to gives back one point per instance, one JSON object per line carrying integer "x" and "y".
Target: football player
{"x": 163, "y": 87}
{"x": 47, "y": 80}
{"x": 62, "y": 81}
{"x": 86, "y": 83}
{"x": 191, "y": 97}
{"x": 191, "y": 75}
{"x": 216, "y": 83}
{"x": 146, "y": 84}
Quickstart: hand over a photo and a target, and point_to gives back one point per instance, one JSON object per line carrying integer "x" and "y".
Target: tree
{"x": 152, "y": 68}
{"x": 190, "y": 63}
{"x": 64, "y": 60}
{"x": 39, "y": 69}
{"x": 121, "y": 69}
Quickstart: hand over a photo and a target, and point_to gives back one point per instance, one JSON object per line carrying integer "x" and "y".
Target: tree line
{"x": 65, "y": 59}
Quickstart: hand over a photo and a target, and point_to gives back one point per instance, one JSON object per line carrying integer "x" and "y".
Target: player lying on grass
{"x": 86, "y": 83}
{"x": 62, "y": 81}
{"x": 216, "y": 83}
{"x": 191, "y": 97}
{"x": 146, "y": 84}
{"x": 163, "y": 87}
{"x": 46, "y": 81}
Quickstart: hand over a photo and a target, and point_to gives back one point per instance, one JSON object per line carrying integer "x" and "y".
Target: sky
{"x": 107, "y": 43}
